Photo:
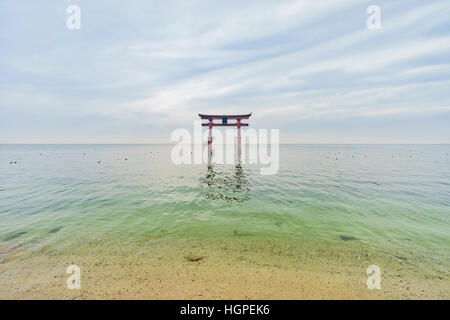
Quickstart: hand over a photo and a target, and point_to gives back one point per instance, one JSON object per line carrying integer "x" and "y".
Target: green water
{"x": 389, "y": 198}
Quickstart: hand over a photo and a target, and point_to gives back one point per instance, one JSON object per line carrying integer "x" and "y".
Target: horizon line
{"x": 165, "y": 143}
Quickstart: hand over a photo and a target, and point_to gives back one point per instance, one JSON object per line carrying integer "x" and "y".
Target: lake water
{"x": 390, "y": 198}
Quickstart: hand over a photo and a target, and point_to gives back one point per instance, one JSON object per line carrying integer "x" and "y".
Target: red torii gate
{"x": 224, "y": 123}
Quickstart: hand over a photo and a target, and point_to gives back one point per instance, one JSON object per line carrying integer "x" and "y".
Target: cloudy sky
{"x": 136, "y": 70}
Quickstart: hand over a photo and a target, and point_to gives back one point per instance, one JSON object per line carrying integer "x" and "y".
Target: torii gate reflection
{"x": 224, "y": 123}
{"x": 220, "y": 183}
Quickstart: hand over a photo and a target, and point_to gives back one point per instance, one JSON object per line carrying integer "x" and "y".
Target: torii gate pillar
{"x": 239, "y": 136}
{"x": 210, "y": 125}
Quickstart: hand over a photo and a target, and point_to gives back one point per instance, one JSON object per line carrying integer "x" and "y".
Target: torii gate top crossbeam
{"x": 224, "y": 119}
{"x": 221, "y": 116}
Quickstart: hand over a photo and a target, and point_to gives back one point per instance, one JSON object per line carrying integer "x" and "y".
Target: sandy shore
{"x": 244, "y": 269}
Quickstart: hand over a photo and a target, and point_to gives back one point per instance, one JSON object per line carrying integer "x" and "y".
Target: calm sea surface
{"x": 388, "y": 197}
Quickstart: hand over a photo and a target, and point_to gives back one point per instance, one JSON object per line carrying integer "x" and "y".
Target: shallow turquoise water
{"x": 389, "y": 197}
